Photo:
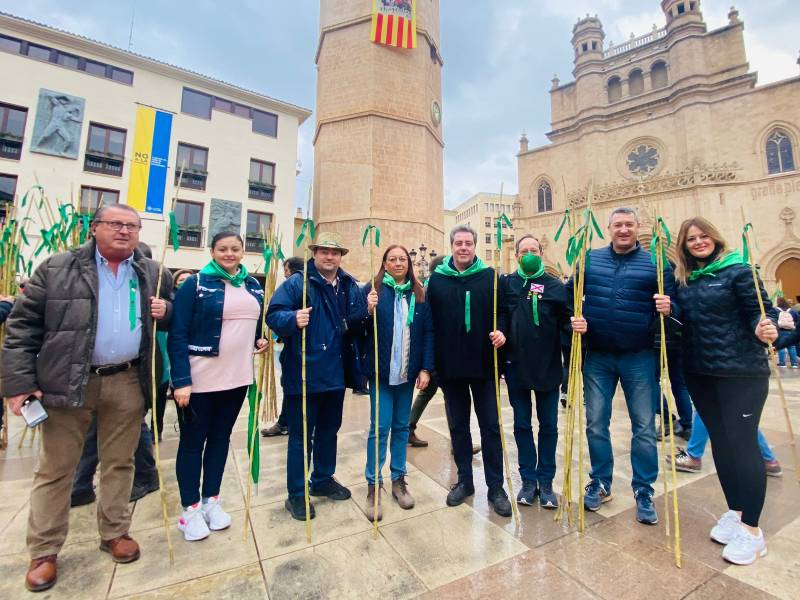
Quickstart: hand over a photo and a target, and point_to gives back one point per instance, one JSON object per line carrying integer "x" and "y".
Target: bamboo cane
{"x": 303, "y": 381}
{"x": 666, "y": 392}
{"x": 153, "y": 384}
{"x": 506, "y": 464}
{"x": 773, "y": 357}
{"x": 375, "y": 286}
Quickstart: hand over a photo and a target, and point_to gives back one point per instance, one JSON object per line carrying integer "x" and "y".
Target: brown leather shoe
{"x": 415, "y": 442}
{"x": 42, "y": 574}
{"x": 123, "y": 549}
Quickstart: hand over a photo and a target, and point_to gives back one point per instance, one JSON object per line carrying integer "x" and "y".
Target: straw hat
{"x": 329, "y": 239}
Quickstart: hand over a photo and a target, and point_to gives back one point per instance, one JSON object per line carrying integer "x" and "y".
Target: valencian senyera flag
{"x": 148, "y": 177}
{"x": 394, "y": 23}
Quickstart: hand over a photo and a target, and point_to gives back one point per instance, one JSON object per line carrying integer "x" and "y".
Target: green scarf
{"x": 213, "y": 268}
{"x": 732, "y": 258}
{"x": 534, "y": 297}
{"x": 448, "y": 271}
{"x": 399, "y": 290}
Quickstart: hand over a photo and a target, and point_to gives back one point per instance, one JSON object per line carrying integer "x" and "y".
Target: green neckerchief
{"x": 534, "y": 297}
{"x": 213, "y": 268}
{"x": 399, "y": 290}
{"x": 448, "y": 271}
{"x": 732, "y": 258}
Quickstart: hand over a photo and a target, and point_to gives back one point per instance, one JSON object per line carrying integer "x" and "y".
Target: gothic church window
{"x": 614, "y": 89}
{"x": 658, "y": 75}
{"x": 780, "y": 155}
{"x": 643, "y": 160}
{"x": 544, "y": 197}
{"x": 636, "y": 82}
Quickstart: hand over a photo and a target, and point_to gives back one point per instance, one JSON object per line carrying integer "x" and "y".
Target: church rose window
{"x": 780, "y": 156}
{"x": 643, "y": 159}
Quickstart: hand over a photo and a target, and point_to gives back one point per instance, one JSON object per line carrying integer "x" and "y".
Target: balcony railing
{"x": 261, "y": 191}
{"x": 190, "y": 237}
{"x": 98, "y": 162}
{"x": 10, "y": 146}
{"x": 253, "y": 243}
{"x": 193, "y": 180}
{"x": 635, "y": 42}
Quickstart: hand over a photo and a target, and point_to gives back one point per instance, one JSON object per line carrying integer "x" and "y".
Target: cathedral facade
{"x": 674, "y": 124}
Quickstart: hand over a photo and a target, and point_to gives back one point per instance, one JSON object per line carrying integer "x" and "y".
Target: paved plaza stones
{"x": 429, "y": 552}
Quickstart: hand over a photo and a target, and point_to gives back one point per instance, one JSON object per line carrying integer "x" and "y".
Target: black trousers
{"x": 457, "y": 400}
{"x": 731, "y": 410}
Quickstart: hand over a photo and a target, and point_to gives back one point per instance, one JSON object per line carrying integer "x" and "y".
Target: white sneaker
{"x": 214, "y": 515}
{"x": 725, "y": 529}
{"x": 745, "y": 547}
{"x": 192, "y": 524}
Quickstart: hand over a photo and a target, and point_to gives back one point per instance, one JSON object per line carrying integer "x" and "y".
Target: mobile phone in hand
{"x": 33, "y": 412}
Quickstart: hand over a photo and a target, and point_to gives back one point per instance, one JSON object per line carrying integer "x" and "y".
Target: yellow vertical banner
{"x": 140, "y": 162}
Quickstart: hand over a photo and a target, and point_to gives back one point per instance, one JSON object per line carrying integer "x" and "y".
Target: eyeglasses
{"x": 118, "y": 225}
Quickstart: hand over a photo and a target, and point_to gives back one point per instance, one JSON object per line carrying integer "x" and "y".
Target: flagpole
{"x": 168, "y": 232}
{"x": 773, "y": 358}
{"x": 496, "y": 261}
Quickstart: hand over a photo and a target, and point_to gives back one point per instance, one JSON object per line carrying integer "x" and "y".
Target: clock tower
{"x": 378, "y": 139}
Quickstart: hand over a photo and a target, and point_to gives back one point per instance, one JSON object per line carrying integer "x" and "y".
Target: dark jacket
{"x": 720, "y": 315}
{"x": 50, "y": 334}
{"x": 197, "y": 321}
{"x": 618, "y": 299}
{"x": 459, "y": 354}
{"x": 5, "y": 310}
{"x": 338, "y": 316}
{"x": 786, "y": 337}
{"x": 421, "y": 347}
{"x": 534, "y": 351}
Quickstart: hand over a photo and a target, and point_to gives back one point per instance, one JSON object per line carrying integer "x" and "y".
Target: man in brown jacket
{"x": 79, "y": 340}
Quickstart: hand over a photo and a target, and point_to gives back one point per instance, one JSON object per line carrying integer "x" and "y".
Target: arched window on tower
{"x": 544, "y": 198}
{"x": 636, "y": 82}
{"x": 658, "y": 75}
{"x": 614, "y": 89}
{"x": 780, "y": 154}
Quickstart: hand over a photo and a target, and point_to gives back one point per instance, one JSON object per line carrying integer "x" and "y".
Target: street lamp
{"x": 422, "y": 264}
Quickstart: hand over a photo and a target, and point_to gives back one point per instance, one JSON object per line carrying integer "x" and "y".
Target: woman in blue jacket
{"x": 405, "y": 358}
{"x": 215, "y": 329}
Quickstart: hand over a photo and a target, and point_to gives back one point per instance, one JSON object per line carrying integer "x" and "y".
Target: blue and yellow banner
{"x": 148, "y": 177}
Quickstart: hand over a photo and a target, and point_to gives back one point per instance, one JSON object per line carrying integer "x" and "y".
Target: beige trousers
{"x": 119, "y": 404}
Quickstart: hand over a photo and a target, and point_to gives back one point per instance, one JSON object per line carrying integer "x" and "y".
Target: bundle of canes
{"x": 374, "y": 235}
{"x": 579, "y": 244}
{"x": 309, "y": 227}
{"x": 747, "y": 255}
{"x": 273, "y": 254}
{"x": 170, "y": 237}
{"x": 659, "y": 243}
{"x": 255, "y": 393}
{"x": 501, "y": 220}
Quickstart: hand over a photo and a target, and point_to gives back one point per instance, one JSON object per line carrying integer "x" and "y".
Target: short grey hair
{"x": 98, "y": 214}
{"x": 463, "y": 229}
{"x": 527, "y": 236}
{"x": 624, "y": 210}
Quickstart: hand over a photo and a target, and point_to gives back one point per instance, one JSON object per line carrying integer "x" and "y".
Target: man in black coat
{"x": 460, "y": 293}
{"x": 537, "y": 309}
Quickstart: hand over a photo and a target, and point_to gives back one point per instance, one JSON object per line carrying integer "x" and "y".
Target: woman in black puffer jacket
{"x": 727, "y": 374}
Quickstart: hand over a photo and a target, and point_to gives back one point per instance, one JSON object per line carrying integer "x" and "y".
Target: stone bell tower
{"x": 378, "y": 139}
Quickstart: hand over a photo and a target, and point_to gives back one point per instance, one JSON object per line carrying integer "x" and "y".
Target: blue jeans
{"x": 792, "y": 350}
{"x": 697, "y": 442}
{"x": 394, "y": 416}
{"x": 324, "y": 418}
{"x": 683, "y": 402}
{"x": 531, "y": 467}
{"x": 601, "y": 373}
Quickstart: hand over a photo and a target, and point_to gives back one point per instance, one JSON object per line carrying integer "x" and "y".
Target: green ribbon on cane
{"x": 745, "y": 245}
{"x": 308, "y": 226}
{"x": 567, "y": 220}
{"x": 253, "y": 394}
{"x": 503, "y": 218}
{"x": 377, "y": 235}
{"x": 657, "y": 239}
{"x": 173, "y": 232}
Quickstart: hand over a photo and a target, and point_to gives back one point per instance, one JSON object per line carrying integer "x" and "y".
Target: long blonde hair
{"x": 686, "y": 263}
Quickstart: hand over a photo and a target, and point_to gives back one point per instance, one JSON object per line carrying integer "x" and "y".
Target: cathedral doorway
{"x": 788, "y": 273}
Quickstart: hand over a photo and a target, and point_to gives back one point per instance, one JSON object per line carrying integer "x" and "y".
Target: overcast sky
{"x": 499, "y": 59}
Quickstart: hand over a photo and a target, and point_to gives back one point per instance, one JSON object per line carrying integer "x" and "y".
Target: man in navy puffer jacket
{"x": 621, "y": 303}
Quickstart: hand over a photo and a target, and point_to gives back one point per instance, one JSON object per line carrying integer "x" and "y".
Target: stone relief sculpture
{"x": 57, "y": 129}
{"x": 225, "y": 215}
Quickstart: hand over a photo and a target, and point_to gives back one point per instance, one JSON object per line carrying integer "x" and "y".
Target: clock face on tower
{"x": 436, "y": 112}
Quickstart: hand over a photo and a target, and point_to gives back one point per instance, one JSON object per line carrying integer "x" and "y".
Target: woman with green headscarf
{"x": 215, "y": 329}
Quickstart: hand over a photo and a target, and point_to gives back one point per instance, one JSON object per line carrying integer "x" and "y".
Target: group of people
{"x": 79, "y": 340}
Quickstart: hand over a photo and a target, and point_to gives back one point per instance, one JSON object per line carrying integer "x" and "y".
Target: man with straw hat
{"x": 336, "y": 312}
{"x": 78, "y": 339}
{"x": 460, "y": 293}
